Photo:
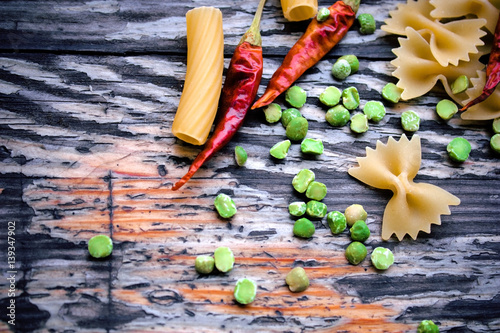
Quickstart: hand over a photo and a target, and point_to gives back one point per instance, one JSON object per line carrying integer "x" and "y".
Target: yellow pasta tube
{"x": 202, "y": 86}
{"x": 299, "y": 10}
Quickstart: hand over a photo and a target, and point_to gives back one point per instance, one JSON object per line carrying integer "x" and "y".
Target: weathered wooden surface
{"x": 88, "y": 92}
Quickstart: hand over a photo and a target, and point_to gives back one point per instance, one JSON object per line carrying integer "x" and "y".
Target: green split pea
{"x": 297, "y": 128}
{"x": 323, "y": 14}
{"x": 303, "y": 228}
{"x": 224, "y": 259}
{"x": 302, "y": 179}
{"x": 367, "y": 24}
{"x": 297, "y": 208}
{"x": 312, "y": 146}
{"x": 288, "y": 115}
{"x": 359, "y": 231}
{"x": 356, "y": 252}
{"x": 427, "y": 326}
{"x": 316, "y": 191}
{"x": 460, "y": 84}
{"x": 273, "y": 113}
{"x": 410, "y": 121}
{"x": 446, "y": 109}
{"x": 336, "y": 221}
{"x": 280, "y": 149}
{"x": 341, "y": 69}
{"x": 391, "y": 92}
{"x": 316, "y": 209}
{"x": 459, "y": 149}
{"x": 296, "y": 96}
{"x": 353, "y": 62}
{"x": 204, "y": 264}
{"x": 374, "y": 110}
{"x": 359, "y": 123}
{"x": 245, "y": 291}
{"x": 337, "y": 116}
{"x": 350, "y": 98}
{"x": 297, "y": 280}
{"x": 100, "y": 246}
{"x": 240, "y": 155}
{"x": 225, "y": 205}
{"x": 495, "y": 143}
{"x": 382, "y": 258}
{"x": 330, "y": 96}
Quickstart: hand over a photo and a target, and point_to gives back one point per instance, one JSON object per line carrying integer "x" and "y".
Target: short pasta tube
{"x": 299, "y": 10}
{"x": 203, "y": 83}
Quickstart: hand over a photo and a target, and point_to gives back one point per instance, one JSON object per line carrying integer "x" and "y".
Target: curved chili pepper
{"x": 492, "y": 70}
{"x": 318, "y": 40}
{"x": 239, "y": 91}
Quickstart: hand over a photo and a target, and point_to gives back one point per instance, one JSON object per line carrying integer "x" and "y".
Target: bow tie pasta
{"x": 414, "y": 206}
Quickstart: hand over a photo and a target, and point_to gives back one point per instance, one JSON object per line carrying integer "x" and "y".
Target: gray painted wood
{"x": 88, "y": 92}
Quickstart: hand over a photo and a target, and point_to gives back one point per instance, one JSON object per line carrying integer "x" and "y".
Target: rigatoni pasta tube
{"x": 202, "y": 87}
{"x": 299, "y": 10}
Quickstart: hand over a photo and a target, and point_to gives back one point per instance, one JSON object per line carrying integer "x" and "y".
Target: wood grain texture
{"x": 88, "y": 93}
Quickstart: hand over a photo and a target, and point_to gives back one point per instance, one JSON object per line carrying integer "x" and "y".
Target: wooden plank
{"x": 86, "y": 148}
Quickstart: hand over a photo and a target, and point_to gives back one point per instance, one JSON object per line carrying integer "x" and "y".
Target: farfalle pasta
{"x": 449, "y": 42}
{"x": 488, "y": 109}
{"x": 445, "y": 9}
{"x": 414, "y": 206}
{"x": 418, "y": 70}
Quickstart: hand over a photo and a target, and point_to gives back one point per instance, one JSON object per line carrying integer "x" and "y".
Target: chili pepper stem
{"x": 252, "y": 35}
{"x": 354, "y": 4}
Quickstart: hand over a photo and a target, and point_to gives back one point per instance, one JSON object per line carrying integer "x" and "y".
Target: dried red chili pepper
{"x": 318, "y": 40}
{"x": 492, "y": 70}
{"x": 239, "y": 91}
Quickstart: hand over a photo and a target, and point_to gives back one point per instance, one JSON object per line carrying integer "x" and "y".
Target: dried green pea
{"x": 225, "y": 206}
{"x": 353, "y": 62}
{"x": 382, "y": 258}
{"x": 312, "y": 146}
{"x": 224, "y": 259}
{"x": 496, "y": 125}
{"x": 297, "y": 280}
{"x": 204, "y": 264}
{"x": 330, "y": 96}
{"x": 245, "y": 291}
{"x": 341, "y": 69}
{"x": 273, "y": 113}
{"x": 495, "y": 143}
{"x": 297, "y": 128}
{"x": 410, "y": 120}
{"x": 323, "y": 14}
{"x": 355, "y": 213}
{"x": 359, "y": 123}
{"x": 280, "y": 149}
{"x": 427, "y": 326}
{"x": 302, "y": 179}
{"x": 240, "y": 155}
{"x": 355, "y": 252}
{"x": 374, "y": 110}
{"x": 316, "y": 191}
{"x": 296, "y": 96}
{"x": 316, "y": 209}
{"x": 336, "y": 221}
{"x": 460, "y": 84}
{"x": 100, "y": 246}
{"x": 391, "y": 92}
{"x": 297, "y": 208}
{"x": 350, "y": 98}
{"x": 288, "y": 115}
{"x": 359, "y": 231}
{"x": 303, "y": 228}
{"x": 459, "y": 149}
{"x": 446, "y": 109}
{"x": 337, "y": 116}
{"x": 367, "y": 24}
